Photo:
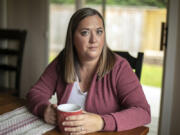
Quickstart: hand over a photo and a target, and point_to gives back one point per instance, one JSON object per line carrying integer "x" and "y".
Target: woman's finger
{"x": 52, "y": 118}
{"x": 54, "y": 106}
{"x": 79, "y": 133}
{"x": 76, "y": 130}
{"x": 52, "y": 122}
{"x": 75, "y": 117}
{"x": 72, "y": 123}
{"x": 53, "y": 114}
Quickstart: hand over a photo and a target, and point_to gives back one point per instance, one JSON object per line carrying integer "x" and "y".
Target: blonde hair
{"x": 68, "y": 57}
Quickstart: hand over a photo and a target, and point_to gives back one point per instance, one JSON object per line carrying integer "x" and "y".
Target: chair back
{"x": 136, "y": 63}
{"x": 11, "y": 54}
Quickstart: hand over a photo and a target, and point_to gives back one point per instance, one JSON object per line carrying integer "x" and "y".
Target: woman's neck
{"x": 86, "y": 72}
{"x": 88, "y": 66}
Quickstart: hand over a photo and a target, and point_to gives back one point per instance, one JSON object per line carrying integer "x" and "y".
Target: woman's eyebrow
{"x": 89, "y": 28}
{"x": 100, "y": 28}
{"x": 84, "y": 29}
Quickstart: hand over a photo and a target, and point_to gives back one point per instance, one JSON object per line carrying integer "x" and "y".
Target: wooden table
{"x": 9, "y": 103}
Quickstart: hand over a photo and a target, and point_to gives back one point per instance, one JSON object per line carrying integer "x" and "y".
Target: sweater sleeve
{"x": 130, "y": 96}
{"x": 39, "y": 95}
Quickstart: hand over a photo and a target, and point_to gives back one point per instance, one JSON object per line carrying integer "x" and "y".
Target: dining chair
{"x": 12, "y": 44}
{"x": 136, "y": 63}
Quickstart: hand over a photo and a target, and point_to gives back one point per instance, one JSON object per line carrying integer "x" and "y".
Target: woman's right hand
{"x": 50, "y": 114}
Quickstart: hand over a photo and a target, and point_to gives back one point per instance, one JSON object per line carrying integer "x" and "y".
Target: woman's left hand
{"x": 83, "y": 123}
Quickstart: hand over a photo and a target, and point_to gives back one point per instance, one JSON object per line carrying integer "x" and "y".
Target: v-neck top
{"x": 117, "y": 97}
{"x": 77, "y": 96}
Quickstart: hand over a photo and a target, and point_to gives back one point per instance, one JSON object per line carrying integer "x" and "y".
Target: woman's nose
{"x": 93, "y": 37}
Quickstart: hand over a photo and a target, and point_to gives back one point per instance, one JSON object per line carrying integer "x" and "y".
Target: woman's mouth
{"x": 92, "y": 47}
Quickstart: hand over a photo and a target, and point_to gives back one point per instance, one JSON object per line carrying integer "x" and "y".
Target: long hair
{"x": 68, "y": 57}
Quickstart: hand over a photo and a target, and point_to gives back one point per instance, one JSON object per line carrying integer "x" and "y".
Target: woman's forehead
{"x": 91, "y": 21}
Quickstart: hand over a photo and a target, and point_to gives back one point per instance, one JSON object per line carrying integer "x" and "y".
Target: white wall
{"x": 31, "y": 15}
{"x": 170, "y": 118}
{"x": 175, "y": 118}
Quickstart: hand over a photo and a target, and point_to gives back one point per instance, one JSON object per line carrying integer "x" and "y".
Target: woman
{"x": 88, "y": 73}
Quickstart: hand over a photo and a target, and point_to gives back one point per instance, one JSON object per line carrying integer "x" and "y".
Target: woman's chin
{"x": 93, "y": 57}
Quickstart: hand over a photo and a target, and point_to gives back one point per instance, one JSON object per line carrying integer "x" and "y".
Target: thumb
{"x": 54, "y": 106}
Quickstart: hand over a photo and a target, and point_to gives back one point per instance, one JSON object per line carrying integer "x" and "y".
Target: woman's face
{"x": 89, "y": 38}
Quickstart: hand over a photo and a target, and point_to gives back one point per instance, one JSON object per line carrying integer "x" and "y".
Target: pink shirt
{"x": 118, "y": 97}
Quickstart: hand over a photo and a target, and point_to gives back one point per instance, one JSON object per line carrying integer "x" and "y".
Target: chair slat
{"x": 136, "y": 63}
{"x": 8, "y": 52}
{"x": 7, "y": 67}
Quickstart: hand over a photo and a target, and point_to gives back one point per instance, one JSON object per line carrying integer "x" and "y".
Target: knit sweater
{"x": 118, "y": 97}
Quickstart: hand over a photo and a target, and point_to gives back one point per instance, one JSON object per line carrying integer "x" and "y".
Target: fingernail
{"x": 63, "y": 123}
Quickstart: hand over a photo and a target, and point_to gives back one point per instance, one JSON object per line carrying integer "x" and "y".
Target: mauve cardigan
{"x": 117, "y": 97}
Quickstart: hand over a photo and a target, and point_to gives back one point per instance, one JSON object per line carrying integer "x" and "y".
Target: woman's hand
{"x": 83, "y": 123}
{"x": 50, "y": 114}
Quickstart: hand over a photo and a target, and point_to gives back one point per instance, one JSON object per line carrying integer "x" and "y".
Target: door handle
{"x": 163, "y": 41}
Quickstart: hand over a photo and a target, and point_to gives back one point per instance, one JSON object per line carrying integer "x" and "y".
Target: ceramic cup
{"x": 65, "y": 110}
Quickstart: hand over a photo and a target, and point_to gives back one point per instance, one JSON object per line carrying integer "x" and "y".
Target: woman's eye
{"x": 84, "y": 33}
{"x": 99, "y": 32}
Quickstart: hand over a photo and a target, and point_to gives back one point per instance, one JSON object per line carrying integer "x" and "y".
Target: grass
{"x": 151, "y": 75}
